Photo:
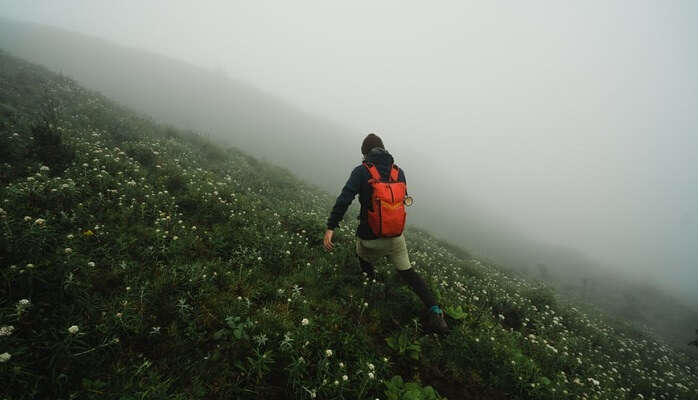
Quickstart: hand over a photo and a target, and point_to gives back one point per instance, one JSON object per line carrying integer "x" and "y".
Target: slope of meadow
{"x": 139, "y": 261}
{"x": 187, "y": 96}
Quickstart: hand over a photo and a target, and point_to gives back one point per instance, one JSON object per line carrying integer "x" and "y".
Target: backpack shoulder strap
{"x": 373, "y": 171}
{"x": 394, "y": 171}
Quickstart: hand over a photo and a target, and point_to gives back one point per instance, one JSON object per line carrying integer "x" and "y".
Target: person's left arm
{"x": 401, "y": 178}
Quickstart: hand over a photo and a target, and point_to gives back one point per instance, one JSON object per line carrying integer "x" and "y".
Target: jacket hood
{"x": 382, "y": 159}
{"x": 379, "y": 156}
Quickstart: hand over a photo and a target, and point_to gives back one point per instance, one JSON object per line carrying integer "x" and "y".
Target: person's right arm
{"x": 351, "y": 188}
{"x": 349, "y": 191}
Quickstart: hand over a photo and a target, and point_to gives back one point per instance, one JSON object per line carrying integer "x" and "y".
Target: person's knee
{"x": 401, "y": 263}
{"x": 362, "y": 261}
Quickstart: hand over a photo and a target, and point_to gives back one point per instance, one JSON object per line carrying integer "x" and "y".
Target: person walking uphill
{"x": 382, "y": 190}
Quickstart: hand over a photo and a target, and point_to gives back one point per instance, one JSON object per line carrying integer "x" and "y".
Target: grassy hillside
{"x": 142, "y": 262}
{"x": 188, "y": 97}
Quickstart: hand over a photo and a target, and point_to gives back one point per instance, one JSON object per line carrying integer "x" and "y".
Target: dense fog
{"x": 552, "y": 138}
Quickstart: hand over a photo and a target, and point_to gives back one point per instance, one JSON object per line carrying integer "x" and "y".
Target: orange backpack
{"x": 387, "y": 219}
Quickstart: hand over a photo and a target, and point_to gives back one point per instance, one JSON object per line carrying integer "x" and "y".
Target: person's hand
{"x": 327, "y": 241}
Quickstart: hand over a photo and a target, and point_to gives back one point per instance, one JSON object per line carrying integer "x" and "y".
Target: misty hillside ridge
{"x": 140, "y": 261}
{"x": 232, "y": 112}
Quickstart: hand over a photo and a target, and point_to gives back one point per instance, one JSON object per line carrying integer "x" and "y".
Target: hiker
{"x": 381, "y": 220}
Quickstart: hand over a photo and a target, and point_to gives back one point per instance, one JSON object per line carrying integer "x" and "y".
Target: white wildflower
{"x": 4, "y": 357}
{"x": 328, "y": 353}
{"x": 39, "y": 221}
{"x": 305, "y": 321}
{"x": 6, "y": 330}
{"x": 73, "y": 329}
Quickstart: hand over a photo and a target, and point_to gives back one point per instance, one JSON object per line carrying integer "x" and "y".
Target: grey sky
{"x": 576, "y": 121}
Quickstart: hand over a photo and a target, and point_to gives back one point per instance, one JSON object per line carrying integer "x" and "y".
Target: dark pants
{"x": 410, "y": 276}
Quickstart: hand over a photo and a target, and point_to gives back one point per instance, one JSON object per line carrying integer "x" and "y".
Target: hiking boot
{"x": 367, "y": 269}
{"x": 435, "y": 321}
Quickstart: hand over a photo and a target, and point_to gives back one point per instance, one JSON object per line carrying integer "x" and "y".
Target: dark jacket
{"x": 358, "y": 183}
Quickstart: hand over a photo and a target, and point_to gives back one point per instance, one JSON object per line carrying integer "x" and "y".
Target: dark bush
{"x": 141, "y": 154}
{"x": 49, "y": 148}
{"x": 542, "y": 296}
{"x": 175, "y": 183}
{"x": 513, "y": 315}
{"x": 212, "y": 153}
{"x": 188, "y": 204}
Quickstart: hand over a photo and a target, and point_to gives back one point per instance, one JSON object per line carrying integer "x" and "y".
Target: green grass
{"x": 192, "y": 271}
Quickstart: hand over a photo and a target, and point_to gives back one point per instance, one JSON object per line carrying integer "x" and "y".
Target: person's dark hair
{"x": 370, "y": 142}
